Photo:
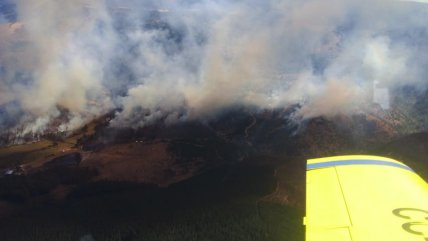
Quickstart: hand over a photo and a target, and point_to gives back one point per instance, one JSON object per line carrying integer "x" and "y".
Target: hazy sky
{"x": 180, "y": 60}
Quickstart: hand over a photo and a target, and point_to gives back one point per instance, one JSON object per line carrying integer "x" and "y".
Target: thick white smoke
{"x": 178, "y": 60}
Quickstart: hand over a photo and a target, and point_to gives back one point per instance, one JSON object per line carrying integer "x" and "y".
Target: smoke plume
{"x": 73, "y": 61}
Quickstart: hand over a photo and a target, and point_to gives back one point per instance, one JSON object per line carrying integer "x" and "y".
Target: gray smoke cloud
{"x": 73, "y": 61}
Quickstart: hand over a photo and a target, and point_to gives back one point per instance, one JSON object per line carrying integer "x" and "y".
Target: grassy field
{"x": 22, "y": 154}
{"x": 42, "y": 150}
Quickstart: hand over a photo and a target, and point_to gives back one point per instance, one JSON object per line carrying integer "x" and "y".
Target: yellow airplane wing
{"x": 364, "y": 198}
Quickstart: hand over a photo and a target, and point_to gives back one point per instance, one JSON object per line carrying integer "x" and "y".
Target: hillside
{"x": 243, "y": 170}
